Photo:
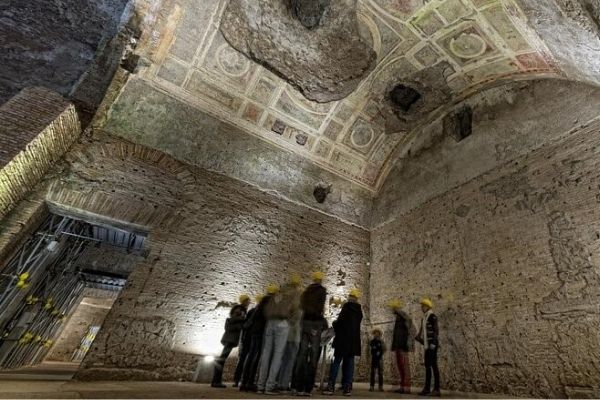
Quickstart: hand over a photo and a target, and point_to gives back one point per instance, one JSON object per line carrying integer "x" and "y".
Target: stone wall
{"x": 511, "y": 260}
{"x": 146, "y": 115}
{"x": 221, "y": 238}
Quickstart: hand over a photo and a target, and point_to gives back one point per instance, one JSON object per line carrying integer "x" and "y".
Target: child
{"x": 377, "y": 349}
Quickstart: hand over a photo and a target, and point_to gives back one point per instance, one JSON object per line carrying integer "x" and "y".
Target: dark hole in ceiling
{"x": 459, "y": 124}
{"x": 404, "y": 97}
{"x": 321, "y": 192}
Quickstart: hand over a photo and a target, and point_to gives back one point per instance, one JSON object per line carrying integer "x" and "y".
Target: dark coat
{"x": 256, "y": 324}
{"x": 246, "y": 336}
{"x": 404, "y": 333}
{"x": 377, "y": 349}
{"x": 233, "y": 329}
{"x": 432, "y": 331}
{"x": 312, "y": 302}
{"x": 347, "y": 330}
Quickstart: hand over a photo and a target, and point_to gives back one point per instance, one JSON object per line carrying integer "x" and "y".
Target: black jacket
{"x": 312, "y": 302}
{"x": 432, "y": 331}
{"x": 245, "y": 337}
{"x": 233, "y": 329}
{"x": 404, "y": 333}
{"x": 255, "y": 326}
{"x": 377, "y": 349}
{"x": 347, "y": 330}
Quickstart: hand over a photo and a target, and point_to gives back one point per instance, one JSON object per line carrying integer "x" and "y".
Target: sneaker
{"x": 347, "y": 393}
{"x": 273, "y": 392}
{"x": 371, "y": 389}
{"x": 218, "y": 385}
{"x": 435, "y": 393}
{"x": 328, "y": 392}
{"x": 424, "y": 392}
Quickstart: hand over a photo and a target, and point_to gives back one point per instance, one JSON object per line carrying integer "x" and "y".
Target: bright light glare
{"x": 209, "y": 359}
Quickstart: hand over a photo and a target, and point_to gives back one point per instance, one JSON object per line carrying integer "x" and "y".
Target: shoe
{"x": 381, "y": 388}
{"x": 371, "y": 389}
{"x": 243, "y": 388}
{"x": 347, "y": 393}
{"x": 401, "y": 391}
{"x": 304, "y": 394}
{"x": 273, "y": 392}
{"x": 218, "y": 385}
{"x": 435, "y": 393}
{"x": 328, "y": 392}
{"x": 236, "y": 384}
{"x": 424, "y": 392}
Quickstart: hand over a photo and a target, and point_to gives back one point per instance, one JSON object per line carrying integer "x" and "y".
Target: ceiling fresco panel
{"x": 467, "y": 43}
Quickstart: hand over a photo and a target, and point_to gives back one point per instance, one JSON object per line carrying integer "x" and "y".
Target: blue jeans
{"x": 287, "y": 365}
{"x": 276, "y": 333}
{"x": 347, "y": 372}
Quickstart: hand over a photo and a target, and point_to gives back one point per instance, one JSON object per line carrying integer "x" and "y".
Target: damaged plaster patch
{"x": 325, "y": 64}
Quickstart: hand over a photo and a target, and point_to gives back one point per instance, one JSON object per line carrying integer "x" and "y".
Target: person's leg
{"x": 248, "y": 363}
{"x": 380, "y": 372}
{"x": 243, "y": 354}
{"x": 428, "y": 360}
{"x": 333, "y": 373}
{"x": 314, "y": 354}
{"x": 301, "y": 367}
{"x": 287, "y": 365}
{"x": 266, "y": 356}
{"x": 436, "y": 371}
{"x": 219, "y": 364}
{"x": 347, "y": 373}
{"x": 281, "y": 329}
{"x": 372, "y": 380}
{"x": 253, "y": 359}
{"x": 407, "y": 382}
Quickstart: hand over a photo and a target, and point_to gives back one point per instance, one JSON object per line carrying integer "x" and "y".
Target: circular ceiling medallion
{"x": 468, "y": 45}
{"x": 231, "y": 61}
{"x": 362, "y": 135}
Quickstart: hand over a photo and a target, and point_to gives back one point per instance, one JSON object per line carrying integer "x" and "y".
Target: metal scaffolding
{"x": 38, "y": 288}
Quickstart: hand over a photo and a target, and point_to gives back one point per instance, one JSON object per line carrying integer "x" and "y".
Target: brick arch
{"x": 127, "y": 183}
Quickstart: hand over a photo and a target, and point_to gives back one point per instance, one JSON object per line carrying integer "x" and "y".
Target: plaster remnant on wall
{"x": 325, "y": 64}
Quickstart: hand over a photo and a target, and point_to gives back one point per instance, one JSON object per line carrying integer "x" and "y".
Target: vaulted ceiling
{"x": 446, "y": 49}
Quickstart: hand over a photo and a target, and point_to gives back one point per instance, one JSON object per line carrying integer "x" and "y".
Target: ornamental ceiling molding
{"x": 474, "y": 42}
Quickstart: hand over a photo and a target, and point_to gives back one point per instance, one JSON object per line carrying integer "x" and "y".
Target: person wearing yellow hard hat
{"x": 403, "y": 343}
{"x": 291, "y": 292}
{"x": 245, "y": 344}
{"x": 255, "y": 327}
{"x": 312, "y": 305}
{"x": 346, "y": 343}
{"x": 428, "y": 337}
{"x": 231, "y": 338}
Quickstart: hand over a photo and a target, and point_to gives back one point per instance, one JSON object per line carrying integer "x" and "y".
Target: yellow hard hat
{"x": 395, "y": 304}
{"x": 427, "y": 302}
{"x": 243, "y": 298}
{"x": 259, "y": 298}
{"x": 295, "y": 279}
{"x": 355, "y": 293}
{"x": 318, "y": 276}
{"x": 273, "y": 288}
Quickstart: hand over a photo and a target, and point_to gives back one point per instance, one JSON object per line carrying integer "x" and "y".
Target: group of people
{"x": 281, "y": 341}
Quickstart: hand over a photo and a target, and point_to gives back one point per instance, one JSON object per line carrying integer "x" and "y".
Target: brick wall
{"x": 512, "y": 261}
{"x": 213, "y": 239}
{"x": 36, "y": 128}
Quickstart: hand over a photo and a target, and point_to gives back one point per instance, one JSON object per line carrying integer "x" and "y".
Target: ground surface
{"x": 52, "y": 380}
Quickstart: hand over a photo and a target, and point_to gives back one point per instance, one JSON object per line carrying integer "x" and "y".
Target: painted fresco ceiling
{"x": 472, "y": 43}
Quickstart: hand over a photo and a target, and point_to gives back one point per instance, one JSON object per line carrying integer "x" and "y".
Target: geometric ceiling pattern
{"x": 476, "y": 41}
